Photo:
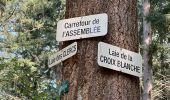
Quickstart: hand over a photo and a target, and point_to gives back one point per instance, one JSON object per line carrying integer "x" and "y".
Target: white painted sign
{"x": 63, "y": 54}
{"x": 119, "y": 59}
{"x": 82, "y": 27}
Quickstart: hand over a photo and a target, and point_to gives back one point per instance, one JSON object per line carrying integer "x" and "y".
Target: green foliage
{"x": 64, "y": 87}
{"x": 159, "y": 18}
{"x": 160, "y": 46}
{"x": 27, "y": 37}
{"x": 158, "y": 21}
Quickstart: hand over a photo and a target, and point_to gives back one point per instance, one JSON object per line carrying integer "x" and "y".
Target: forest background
{"x": 28, "y": 37}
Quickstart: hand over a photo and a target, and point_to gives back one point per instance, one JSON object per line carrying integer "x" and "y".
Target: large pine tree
{"x": 88, "y": 81}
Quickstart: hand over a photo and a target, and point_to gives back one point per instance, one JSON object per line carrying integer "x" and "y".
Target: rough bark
{"x": 88, "y": 81}
{"x": 147, "y": 54}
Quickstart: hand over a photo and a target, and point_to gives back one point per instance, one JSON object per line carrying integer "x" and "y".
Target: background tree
{"x": 159, "y": 18}
{"x": 158, "y": 48}
{"x": 28, "y": 29}
{"x": 147, "y": 55}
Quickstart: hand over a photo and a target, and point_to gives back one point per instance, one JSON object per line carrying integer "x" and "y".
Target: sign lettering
{"x": 119, "y": 59}
{"x": 63, "y": 54}
{"x": 82, "y": 27}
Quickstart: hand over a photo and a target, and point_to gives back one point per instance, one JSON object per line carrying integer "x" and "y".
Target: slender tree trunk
{"x": 147, "y": 54}
{"x": 88, "y": 81}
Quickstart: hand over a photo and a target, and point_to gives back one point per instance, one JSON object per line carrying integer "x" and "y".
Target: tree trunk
{"x": 88, "y": 81}
{"x": 147, "y": 54}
